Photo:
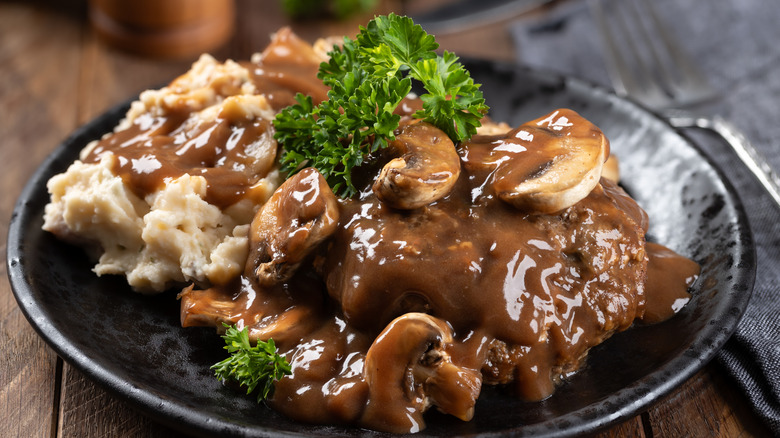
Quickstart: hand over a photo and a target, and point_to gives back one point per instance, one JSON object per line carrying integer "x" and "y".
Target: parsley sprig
{"x": 251, "y": 366}
{"x": 368, "y": 78}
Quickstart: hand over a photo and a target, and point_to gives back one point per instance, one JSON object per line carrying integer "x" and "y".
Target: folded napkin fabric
{"x": 737, "y": 45}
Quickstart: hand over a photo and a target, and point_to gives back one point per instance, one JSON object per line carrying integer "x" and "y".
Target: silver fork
{"x": 665, "y": 79}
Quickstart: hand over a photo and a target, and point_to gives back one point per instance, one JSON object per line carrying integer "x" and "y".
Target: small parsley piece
{"x": 368, "y": 78}
{"x": 251, "y": 366}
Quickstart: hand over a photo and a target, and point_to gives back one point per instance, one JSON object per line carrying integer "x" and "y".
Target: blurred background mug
{"x": 163, "y": 28}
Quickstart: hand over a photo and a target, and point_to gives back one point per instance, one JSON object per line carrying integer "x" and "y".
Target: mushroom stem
{"x": 301, "y": 213}
{"x": 408, "y": 370}
{"x": 450, "y": 388}
{"x": 266, "y": 312}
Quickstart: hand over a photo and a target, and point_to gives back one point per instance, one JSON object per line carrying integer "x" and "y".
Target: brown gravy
{"x": 667, "y": 272}
{"x": 233, "y": 152}
{"x": 523, "y": 296}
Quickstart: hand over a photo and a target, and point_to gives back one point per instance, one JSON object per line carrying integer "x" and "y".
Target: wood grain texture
{"x": 87, "y": 410}
{"x": 706, "y": 405}
{"x": 55, "y": 74}
{"x": 31, "y": 97}
{"x": 631, "y": 428}
{"x": 109, "y": 77}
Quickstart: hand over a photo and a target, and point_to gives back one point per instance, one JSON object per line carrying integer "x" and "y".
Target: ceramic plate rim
{"x": 172, "y": 415}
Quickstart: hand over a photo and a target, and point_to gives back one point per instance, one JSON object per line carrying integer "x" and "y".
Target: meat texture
{"x": 395, "y": 308}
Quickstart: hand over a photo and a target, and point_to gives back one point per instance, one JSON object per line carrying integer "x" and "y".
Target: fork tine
{"x": 615, "y": 64}
{"x": 663, "y": 73}
{"x": 659, "y": 73}
{"x": 690, "y": 86}
{"x": 644, "y": 70}
{"x": 627, "y": 81}
{"x": 687, "y": 88}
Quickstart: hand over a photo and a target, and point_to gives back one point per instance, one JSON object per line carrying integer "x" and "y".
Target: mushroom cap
{"x": 408, "y": 370}
{"x": 426, "y": 169}
{"x": 568, "y": 156}
{"x": 301, "y": 213}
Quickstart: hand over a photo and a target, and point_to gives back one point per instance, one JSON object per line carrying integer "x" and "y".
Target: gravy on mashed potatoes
{"x": 167, "y": 197}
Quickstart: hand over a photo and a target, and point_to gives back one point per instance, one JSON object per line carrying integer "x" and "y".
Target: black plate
{"x": 133, "y": 344}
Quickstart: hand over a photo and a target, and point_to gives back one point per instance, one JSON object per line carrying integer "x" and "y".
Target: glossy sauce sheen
{"x": 526, "y": 295}
{"x": 233, "y": 152}
{"x": 539, "y": 290}
{"x": 667, "y": 271}
{"x": 522, "y": 296}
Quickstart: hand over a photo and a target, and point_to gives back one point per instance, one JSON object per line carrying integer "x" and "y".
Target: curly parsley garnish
{"x": 251, "y": 366}
{"x": 368, "y": 77}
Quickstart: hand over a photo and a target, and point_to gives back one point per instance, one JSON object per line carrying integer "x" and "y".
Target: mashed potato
{"x": 172, "y": 235}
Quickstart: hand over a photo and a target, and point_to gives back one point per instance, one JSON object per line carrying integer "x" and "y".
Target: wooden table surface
{"x": 56, "y": 75}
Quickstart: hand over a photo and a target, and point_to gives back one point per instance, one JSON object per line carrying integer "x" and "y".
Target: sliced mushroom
{"x": 301, "y": 213}
{"x": 611, "y": 169}
{"x": 567, "y": 152}
{"x": 408, "y": 370}
{"x": 266, "y": 312}
{"x": 425, "y": 170}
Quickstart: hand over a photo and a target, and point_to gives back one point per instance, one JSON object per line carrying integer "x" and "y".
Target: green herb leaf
{"x": 250, "y": 366}
{"x": 369, "y": 77}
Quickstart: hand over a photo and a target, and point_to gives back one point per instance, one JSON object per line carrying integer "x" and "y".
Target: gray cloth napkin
{"x": 737, "y": 44}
